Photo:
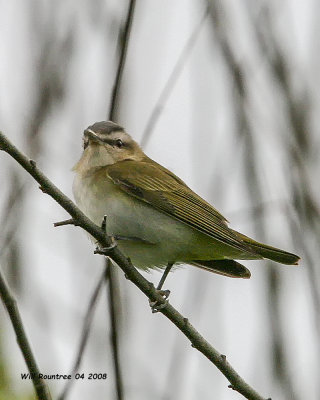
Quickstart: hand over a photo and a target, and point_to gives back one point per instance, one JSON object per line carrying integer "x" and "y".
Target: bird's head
{"x": 106, "y": 143}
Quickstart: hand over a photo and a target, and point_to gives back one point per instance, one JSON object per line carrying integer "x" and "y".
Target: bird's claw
{"x": 105, "y": 250}
{"x": 156, "y": 306}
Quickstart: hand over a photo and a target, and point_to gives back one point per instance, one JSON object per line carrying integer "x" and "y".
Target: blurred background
{"x": 226, "y": 95}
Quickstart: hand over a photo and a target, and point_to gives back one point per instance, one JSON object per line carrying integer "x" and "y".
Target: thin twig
{"x": 10, "y": 304}
{"x": 298, "y": 109}
{"x": 123, "y": 44}
{"x": 110, "y": 275}
{"x": 170, "y": 84}
{"x": 241, "y": 102}
{"x": 85, "y": 335}
{"x": 182, "y": 323}
{"x": 65, "y": 222}
{"x": 113, "y": 297}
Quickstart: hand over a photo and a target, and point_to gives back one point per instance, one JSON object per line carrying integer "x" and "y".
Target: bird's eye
{"x": 119, "y": 143}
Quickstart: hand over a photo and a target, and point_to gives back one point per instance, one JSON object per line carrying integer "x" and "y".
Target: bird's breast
{"x": 126, "y": 216}
{"x": 160, "y": 238}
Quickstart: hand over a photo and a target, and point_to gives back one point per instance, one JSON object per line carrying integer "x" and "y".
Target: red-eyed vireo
{"x": 154, "y": 216}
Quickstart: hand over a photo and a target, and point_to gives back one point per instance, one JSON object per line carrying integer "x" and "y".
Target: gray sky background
{"x": 65, "y": 54}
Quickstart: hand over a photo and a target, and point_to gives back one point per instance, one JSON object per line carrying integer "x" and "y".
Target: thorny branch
{"x": 197, "y": 341}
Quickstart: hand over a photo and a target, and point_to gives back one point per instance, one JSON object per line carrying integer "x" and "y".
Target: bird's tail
{"x": 234, "y": 269}
{"x": 272, "y": 253}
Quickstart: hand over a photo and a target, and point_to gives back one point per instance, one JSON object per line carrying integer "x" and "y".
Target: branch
{"x": 113, "y": 301}
{"x": 10, "y": 304}
{"x": 111, "y": 273}
{"x": 123, "y": 43}
{"x": 65, "y": 222}
{"x": 172, "y": 79}
{"x": 131, "y": 273}
{"x": 84, "y": 336}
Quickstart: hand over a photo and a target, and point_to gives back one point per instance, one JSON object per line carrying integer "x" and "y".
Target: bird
{"x": 156, "y": 219}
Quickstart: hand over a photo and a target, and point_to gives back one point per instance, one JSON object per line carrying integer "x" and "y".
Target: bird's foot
{"x": 105, "y": 250}
{"x": 156, "y": 306}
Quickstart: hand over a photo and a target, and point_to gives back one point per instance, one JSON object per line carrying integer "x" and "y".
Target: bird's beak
{"x": 91, "y": 135}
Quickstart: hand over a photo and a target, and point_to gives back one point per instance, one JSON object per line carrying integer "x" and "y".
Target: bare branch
{"x": 111, "y": 275}
{"x": 85, "y": 335}
{"x": 10, "y": 304}
{"x": 182, "y": 323}
{"x": 70, "y": 221}
{"x": 114, "y": 297}
{"x": 123, "y": 45}
{"x": 169, "y": 86}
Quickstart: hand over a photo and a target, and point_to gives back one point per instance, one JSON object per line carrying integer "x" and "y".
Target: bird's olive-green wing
{"x": 159, "y": 187}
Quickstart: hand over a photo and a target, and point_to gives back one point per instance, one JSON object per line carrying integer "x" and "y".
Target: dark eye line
{"x": 112, "y": 142}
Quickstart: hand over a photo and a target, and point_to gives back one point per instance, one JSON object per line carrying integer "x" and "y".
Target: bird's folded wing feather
{"x": 160, "y": 188}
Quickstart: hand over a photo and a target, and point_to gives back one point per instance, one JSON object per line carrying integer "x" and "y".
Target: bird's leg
{"x": 104, "y": 250}
{"x": 164, "y": 275}
{"x": 155, "y": 306}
